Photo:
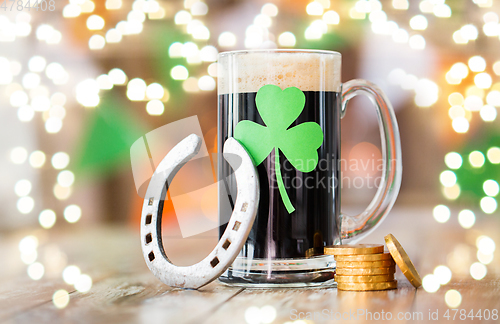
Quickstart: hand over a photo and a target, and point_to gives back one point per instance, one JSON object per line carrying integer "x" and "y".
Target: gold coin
{"x": 364, "y": 257}
{"x": 364, "y": 272}
{"x": 314, "y": 252}
{"x": 365, "y": 264}
{"x": 403, "y": 260}
{"x": 364, "y": 286}
{"x": 379, "y": 278}
{"x": 349, "y": 249}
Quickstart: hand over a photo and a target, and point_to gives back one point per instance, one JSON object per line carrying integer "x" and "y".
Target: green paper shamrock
{"x": 279, "y": 109}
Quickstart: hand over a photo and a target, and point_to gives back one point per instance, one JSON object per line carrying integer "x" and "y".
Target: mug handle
{"x": 352, "y": 226}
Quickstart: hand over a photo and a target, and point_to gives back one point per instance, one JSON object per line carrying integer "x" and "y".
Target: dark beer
{"x": 276, "y": 234}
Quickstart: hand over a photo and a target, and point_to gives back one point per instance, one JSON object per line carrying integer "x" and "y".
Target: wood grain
{"x": 124, "y": 291}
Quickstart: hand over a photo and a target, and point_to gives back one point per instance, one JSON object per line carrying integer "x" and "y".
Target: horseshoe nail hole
{"x": 213, "y": 263}
{"x": 244, "y": 207}
{"x": 226, "y": 244}
{"x": 236, "y": 226}
{"x": 149, "y": 238}
{"x": 150, "y": 203}
{"x": 151, "y": 256}
{"x": 148, "y": 219}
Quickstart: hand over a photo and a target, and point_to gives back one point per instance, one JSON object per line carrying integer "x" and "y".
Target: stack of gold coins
{"x": 363, "y": 267}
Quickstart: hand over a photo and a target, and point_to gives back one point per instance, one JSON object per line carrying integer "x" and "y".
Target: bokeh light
{"x": 478, "y": 270}
{"x": 488, "y": 205}
{"x": 60, "y": 160}
{"x": 28, "y": 244}
{"x": 97, "y": 42}
{"x": 29, "y": 258}
{"x": 104, "y": 82}
{"x": 460, "y": 125}
{"x": 155, "y": 107}
{"x": 476, "y": 159}
{"x": 36, "y": 271}
{"x": 206, "y": 83}
{"x": 453, "y": 160}
{"x": 331, "y": 17}
{"x": 72, "y": 213}
{"x": 179, "y": 72}
{"x": 448, "y": 178}
{"x": 287, "y": 39}
{"x": 484, "y": 258}
{"x": 453, "y": 298}
{"x": 314, "y": 8}
{"x": 459, "y": 70}
{"x": 485, "y": 244}
{"x": 117, "y": 76}
{"x": 60, "y": 298}
{"x": 113, "y": 36}
{"x": 469, "y": 32}
{"x": 53, "y": 125}
{"x": 83, "y": 283}
{"x": 227, "y": 39}
{"x": 491, "y": 188}
{"x": 456, "y": 112}
{"x": 37, "y": 64}
{"x": 113, "y": 4}
{"x": 182, "y": 17}
{"x": 452, "y": 192}
{"x": 25, "y": 205}
{"x": 95, "y": 22}
{"x": 65, "y": 178}
{"x": 18, "y": 155}
{"x": 37, "y": 159}
{"x": 61, "y": 192}
{"x": 477, "y": 64}
{"x": 488, "y": 113}
{"x": 71, "y": 274}
{"x": 269, "y": 9}
{"x": 466, "y": 218}
{"x": 418, "y": 22}
{"x": 136, "y": 89}
{"x": 473, "y": 103}
{"x": 155, "y": 91}
{"x": 47, "y": 218}
{"x": 22, "y": 187}
{"x": 456, "y": 99}
{"x": 443, "y": 274}
{"x": 483, "y": 80}
{"x": 494, "y": 155}
{"x": 441, "y": 213}
{"x": 25, "y": 113}
{"x": 430, "y": 283}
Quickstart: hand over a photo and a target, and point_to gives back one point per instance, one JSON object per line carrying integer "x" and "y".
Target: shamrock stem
{"x": 281, "y": 185}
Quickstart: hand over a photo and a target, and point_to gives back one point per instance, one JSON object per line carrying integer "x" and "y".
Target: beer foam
{"x": 309, "y": 71}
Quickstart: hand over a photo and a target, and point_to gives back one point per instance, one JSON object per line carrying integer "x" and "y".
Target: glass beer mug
{"x": 285, "y": 107}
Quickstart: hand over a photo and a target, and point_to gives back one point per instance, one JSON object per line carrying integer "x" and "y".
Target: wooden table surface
{"x": 124, "y": 291}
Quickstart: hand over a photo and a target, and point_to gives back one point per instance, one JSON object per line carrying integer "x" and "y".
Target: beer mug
{"x": 285, "y": 108}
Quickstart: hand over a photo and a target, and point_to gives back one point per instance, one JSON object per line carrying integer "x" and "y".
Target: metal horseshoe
{"x": 235, "y": 235}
